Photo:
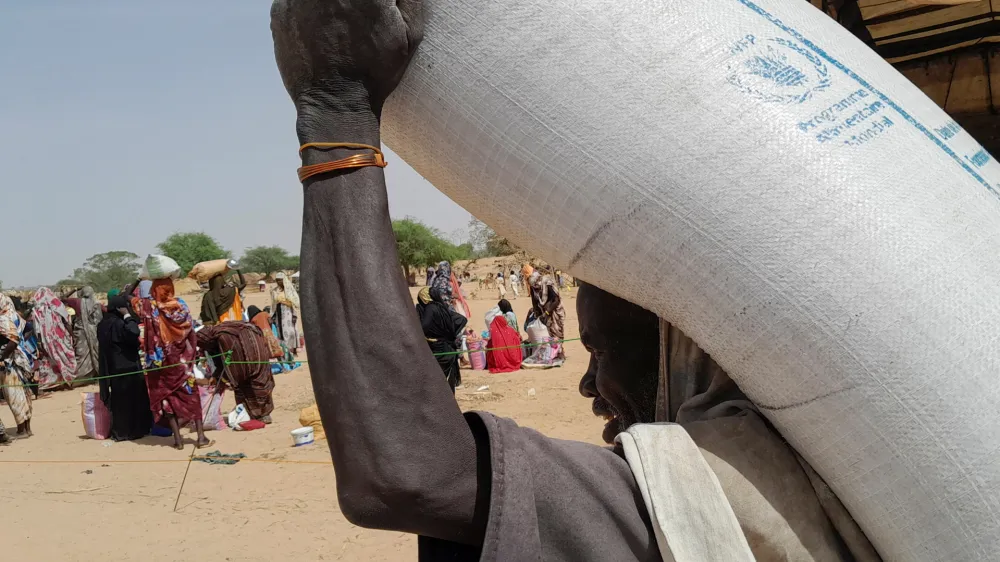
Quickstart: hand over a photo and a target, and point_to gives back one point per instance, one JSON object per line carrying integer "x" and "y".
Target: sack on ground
{"x": 159, "y": 267}
{"x": 309, "y": 417}
{"x": 537, "y": 332}
{"x": 96, "y": 417}
{"x": 202, "y": 272}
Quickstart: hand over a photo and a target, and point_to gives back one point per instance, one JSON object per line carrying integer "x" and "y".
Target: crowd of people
{"x": 147, "y": 352}
{"x": 444, "y": 322}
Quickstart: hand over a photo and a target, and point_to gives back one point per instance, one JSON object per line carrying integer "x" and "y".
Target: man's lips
{"x": 603, "y": 409}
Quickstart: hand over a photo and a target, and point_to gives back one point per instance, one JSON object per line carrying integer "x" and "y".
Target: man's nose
{"x": 588, "y": 383}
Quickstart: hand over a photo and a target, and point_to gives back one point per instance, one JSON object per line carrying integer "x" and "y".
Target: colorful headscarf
{"x": 12, "y": 327}
{"x": 10, "y": 324}
{"x": 441, "y": 283}
{"x": 424, "y": 296}
{"x": 174, "y": 316}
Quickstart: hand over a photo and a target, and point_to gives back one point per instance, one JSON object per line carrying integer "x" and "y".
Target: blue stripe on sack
{"x": 923, "y": 129}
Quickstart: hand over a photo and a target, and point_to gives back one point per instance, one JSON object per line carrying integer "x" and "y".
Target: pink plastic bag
{"x": 96, "y": 417}
{"x": 476, "y": 356}
{"x": 211, "y": 409}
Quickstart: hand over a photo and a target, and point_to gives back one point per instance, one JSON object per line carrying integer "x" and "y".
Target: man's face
{"x": 624, "y": 344}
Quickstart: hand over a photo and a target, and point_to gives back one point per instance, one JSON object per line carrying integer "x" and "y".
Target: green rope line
{"x": 227, "y": 355}
{"x": 443, "y": 353}
{"x": 141, "y": 372}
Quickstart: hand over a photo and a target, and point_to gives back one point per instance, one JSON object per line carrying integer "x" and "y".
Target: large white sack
{"x": 754, "y": 174}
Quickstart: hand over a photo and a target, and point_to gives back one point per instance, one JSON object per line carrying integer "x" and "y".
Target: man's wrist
{"x": 347, "y": 117}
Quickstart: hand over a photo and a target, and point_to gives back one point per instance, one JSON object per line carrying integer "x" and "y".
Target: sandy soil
{"x": 67, "y": 497}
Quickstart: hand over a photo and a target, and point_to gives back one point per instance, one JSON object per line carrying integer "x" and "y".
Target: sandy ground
{"x": 67, "y": 497}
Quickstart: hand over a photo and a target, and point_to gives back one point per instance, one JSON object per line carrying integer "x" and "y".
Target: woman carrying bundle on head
{"x": 222, "y": 302}
{"x": 171, "y": 347}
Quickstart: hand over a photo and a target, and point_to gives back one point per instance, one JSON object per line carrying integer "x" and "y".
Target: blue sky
{"x": 122, "y": 121}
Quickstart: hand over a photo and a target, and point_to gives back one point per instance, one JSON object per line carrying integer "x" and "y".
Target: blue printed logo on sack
{"x": 776, "y": 70}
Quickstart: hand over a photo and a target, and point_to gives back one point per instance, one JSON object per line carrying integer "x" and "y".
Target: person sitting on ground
{"x": 476, "y": 486}
{"x": 222, "y": 302}
{"x": 123, "y": 384}
{"x": 246, "y": 367}
{"x": 503, "y": 349}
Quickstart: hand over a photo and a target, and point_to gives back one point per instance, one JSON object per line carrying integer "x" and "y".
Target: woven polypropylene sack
{"x": 754, "y": 174}
{"x": 159, "y": 267}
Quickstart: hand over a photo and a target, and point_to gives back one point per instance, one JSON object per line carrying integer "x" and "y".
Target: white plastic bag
{"x": 238, "y": 416}
{"x": 537, "y": 332}
{"x": 159, "y": 267}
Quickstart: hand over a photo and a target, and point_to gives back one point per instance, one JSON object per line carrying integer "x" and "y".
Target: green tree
{"x": 110, "y": 270}
{"x": 420, "y": 245}
{"x": 190, "y": 248}
{"x": 267, "y": 260}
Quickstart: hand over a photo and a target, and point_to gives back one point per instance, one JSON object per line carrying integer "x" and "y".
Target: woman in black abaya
{"x": 443, "y": 329}
{"x": 125, "y": 395}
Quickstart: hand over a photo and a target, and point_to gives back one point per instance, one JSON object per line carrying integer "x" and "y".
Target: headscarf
{"x": 115, "y": 302}
{"x": 441, "y": 283}
{"x": 90, "y": 311}
{"x": 218, "y": 300}
{"x": 424, "y": 296}
{"x": 10, "y": 324}
{"x": 144, "y": 287}
{"x": 11, "y": 327}
{"x": 112, "y": 293}
{"x": 423, "y": 299}
{"x": 440, "y": 322}
{"x": 175, "y": 318}
{"x": 259, "y": 318}
{"x": 505, "y": 306}
{"x": 286, "y": 294}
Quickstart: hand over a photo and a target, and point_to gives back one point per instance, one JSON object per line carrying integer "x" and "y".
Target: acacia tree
{"x": 190, "y": 248}
{"x": 420, "y": 246}
{"x": 106, "y": 271}
{"x": 487, "y": 242}
{"x": 267, "y": 259}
